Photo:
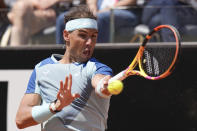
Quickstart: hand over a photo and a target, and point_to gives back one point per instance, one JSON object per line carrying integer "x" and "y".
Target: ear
{"x": 65, "y": 35}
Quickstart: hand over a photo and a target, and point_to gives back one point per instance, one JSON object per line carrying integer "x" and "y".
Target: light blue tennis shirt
{"x": 87, "y": 113}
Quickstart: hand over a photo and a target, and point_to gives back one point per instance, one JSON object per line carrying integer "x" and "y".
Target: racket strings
{"x": 155, "y": 61}
{"x": 159, "y": 53}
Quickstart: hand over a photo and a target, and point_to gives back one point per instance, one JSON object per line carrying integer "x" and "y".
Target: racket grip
{"x": 119, "y": 76}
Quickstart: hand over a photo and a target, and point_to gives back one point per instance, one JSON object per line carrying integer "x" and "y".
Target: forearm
{"x": 125, "y": 3}
{"x": 30, "y": 116}
{"x": 31, "y": 110}
{"x": 44, "y": 4}
{"x": 92, "y": 4}
{"x": 24, "y": 118}
{"x": 19, "y": 36}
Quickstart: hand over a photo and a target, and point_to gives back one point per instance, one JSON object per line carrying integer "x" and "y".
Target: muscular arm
{"x": 24, "y": 116}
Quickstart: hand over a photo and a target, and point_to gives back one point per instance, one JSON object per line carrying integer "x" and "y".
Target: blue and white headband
{"x": 80, "y": 23}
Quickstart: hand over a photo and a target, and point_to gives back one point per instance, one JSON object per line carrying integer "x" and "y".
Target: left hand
{"x": 64, "y": 96}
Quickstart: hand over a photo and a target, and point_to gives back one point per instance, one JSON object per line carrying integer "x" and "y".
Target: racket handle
{"x": 120, "y": 76}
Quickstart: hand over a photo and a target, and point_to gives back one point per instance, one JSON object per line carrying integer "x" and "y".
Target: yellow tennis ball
{"x": 115, "y": 87}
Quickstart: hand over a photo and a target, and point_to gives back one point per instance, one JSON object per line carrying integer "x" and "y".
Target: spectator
{"x": 172, "y": 12}
{"x": 4, "y": 22}
{"x": 101, "y": 8}
{"x": 29, "y": 17}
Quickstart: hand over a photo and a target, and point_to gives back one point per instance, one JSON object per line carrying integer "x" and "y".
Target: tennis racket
{"x": 154, "y": 60}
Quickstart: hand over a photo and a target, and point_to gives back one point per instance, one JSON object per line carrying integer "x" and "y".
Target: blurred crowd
{"x": 20, "y": 20}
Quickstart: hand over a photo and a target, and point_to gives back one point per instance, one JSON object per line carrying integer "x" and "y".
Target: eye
{"x": 83, "y": 35}
{"x": 94, "y": 36}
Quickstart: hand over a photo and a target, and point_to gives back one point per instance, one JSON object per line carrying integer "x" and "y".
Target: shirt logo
{"x": 46, "y": 72}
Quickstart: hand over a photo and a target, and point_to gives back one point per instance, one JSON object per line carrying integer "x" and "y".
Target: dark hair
{"x": 81, "y": 11}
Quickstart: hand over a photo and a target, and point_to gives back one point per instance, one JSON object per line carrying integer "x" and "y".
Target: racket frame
{"x": 138, "y": 58}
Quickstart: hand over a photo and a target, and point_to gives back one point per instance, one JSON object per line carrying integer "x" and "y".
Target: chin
{"x": 85, "y": 59}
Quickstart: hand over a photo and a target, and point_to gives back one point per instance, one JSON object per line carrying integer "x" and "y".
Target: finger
{"x": 76, "y": 95}
{"x": 105, "y": 91}
{"x": 61, "y": 89}
{"x": 66, "y": 83}
{"x": 106, "y": 79}
{"x": 105, "y": 83}
{"x": 58, "y": 95}
{"x": 61, "y": 86}
{"x": 69, "y": 83}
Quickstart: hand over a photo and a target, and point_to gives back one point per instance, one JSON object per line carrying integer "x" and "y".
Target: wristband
{"x": 41, "y": 113}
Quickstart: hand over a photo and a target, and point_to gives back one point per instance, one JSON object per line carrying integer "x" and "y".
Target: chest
{"x": 49, "y": 80}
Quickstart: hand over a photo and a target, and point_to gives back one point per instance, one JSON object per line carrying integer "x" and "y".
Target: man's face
{"x": 80, "y": 44}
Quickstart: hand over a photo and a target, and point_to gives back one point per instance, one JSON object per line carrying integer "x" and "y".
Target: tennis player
{"x": 68, "y": 92}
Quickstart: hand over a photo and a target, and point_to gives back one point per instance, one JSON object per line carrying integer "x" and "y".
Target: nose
{"x": 89, "y": 41}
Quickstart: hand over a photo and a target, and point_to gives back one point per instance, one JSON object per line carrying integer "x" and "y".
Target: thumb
{"x": 76, "y": 95}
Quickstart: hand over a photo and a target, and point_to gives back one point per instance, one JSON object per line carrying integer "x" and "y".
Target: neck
{"x": 67, "y": 58}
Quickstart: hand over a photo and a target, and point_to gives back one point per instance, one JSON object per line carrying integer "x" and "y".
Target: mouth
{"x": 86, "y": 52}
